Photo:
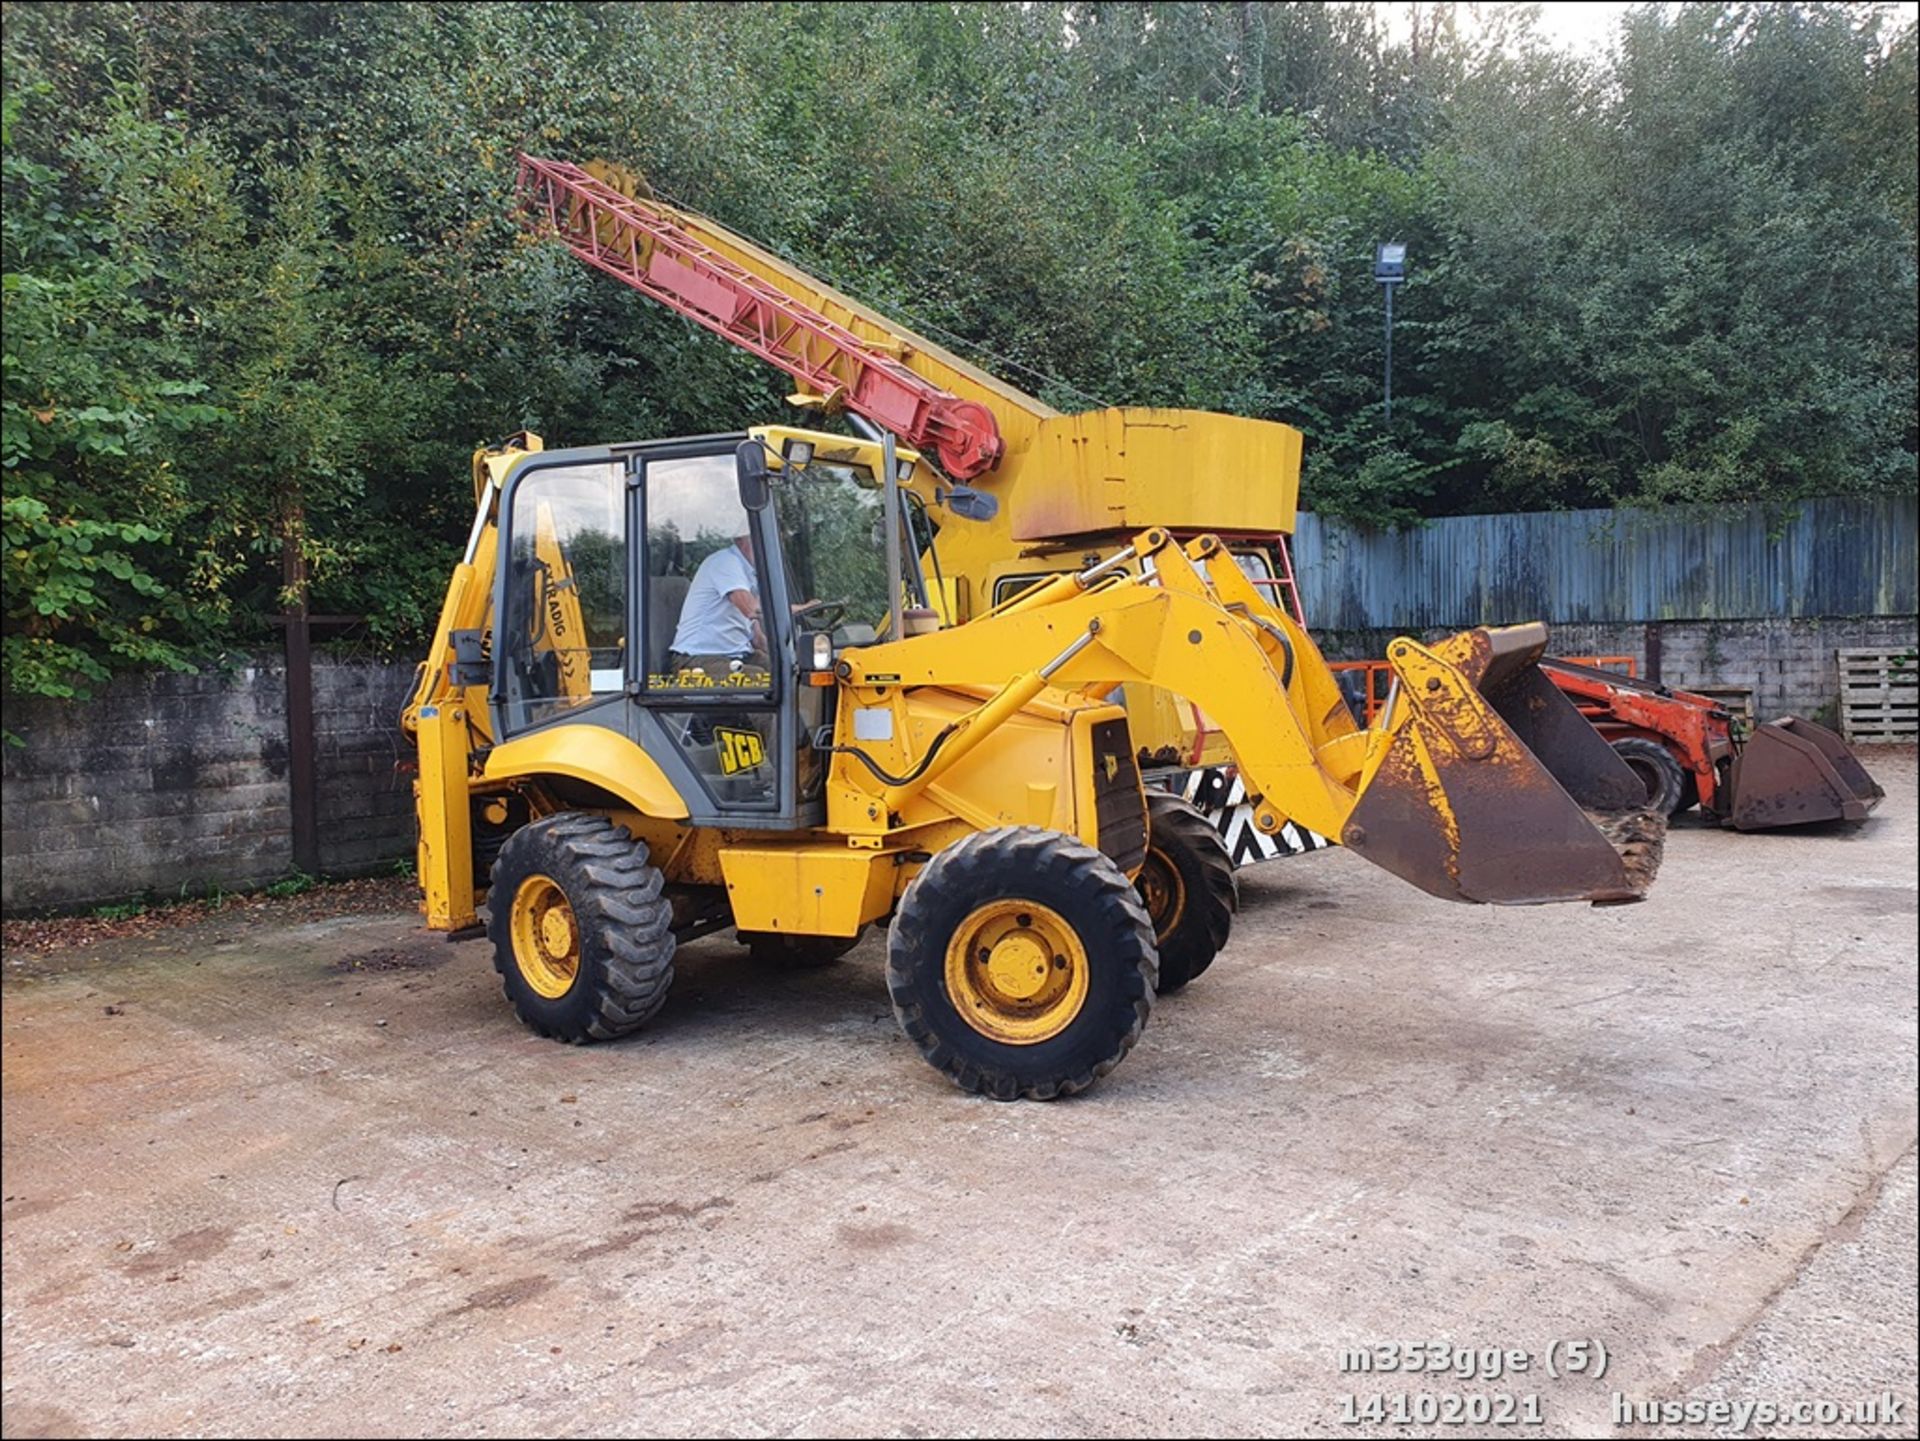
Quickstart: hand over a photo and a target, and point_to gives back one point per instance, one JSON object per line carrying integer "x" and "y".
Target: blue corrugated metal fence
{"x": 1831, "y": 557}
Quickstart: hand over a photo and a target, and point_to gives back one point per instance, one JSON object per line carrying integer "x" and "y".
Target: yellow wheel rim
{"x": 1164, "y": 892}
{"x": 1016, "y": 972}
{"x": 546, "y": 939}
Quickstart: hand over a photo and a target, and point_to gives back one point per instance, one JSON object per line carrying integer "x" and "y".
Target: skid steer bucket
{"x": 1791, "y": 771}
{"x": 1494, "y": 788}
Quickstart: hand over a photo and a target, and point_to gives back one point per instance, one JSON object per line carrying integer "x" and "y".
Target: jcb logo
{"x": 739, "y": 750}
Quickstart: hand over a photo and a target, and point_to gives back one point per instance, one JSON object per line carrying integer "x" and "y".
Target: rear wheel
{"x": 1659, "y": 772}
{"x": 1189, "y": 888}
{"x": 797, "y": 953}
{"x": 1021, "y": 963}
{"x": 582, "y": 936}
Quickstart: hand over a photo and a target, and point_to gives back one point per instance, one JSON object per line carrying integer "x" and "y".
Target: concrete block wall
{"x": 365, "y": 801}
{"x": 168, "y": 784}
{"x": 177, "y": 784}
{"x": 1788, "y": 664}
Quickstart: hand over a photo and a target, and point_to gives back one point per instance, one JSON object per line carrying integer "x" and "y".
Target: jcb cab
{"x": 688, "y": 685}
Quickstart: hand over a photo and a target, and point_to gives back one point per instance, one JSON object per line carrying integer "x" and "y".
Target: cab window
{"x": 1009, "y": 586}
{"x": 563, "y": 638}
{"x": 834, "y": 541}
{"x": 705, "y": 601}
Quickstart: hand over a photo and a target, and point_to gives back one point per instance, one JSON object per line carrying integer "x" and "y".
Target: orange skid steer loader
{"x": 1690, "y": 750}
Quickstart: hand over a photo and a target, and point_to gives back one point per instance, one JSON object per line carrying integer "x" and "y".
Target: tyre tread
{"x": 1204, "y": 932}
{"x": 970, "y": 867}
{"x": 625, "y": 922}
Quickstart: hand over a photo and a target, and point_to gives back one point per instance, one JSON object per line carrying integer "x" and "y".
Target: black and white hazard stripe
{"x": 1217, "y": 793}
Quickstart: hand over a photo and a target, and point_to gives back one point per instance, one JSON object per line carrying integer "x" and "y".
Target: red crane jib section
{"x": 637, "y": 243}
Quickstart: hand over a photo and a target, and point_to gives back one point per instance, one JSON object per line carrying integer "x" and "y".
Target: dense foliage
{"x": 263, "y": 290}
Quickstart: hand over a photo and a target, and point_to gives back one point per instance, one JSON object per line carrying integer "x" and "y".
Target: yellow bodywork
{"x": 592, "y": 754}
{"x": 1007, "y": 721}
{"x": 1030, "y": 765}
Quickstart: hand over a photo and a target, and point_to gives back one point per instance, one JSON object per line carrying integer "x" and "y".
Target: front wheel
{"x": 1663, "y": 776}
{"x": 1188, "y": 885}
{"x": 1021, "y": 963}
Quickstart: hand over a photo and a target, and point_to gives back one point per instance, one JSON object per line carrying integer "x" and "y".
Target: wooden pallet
{"x": 1736, "y": 699}
{"x": 1879, "y": 695}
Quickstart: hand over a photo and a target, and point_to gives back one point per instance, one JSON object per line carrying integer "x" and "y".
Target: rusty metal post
{"x": 1653, "y": 651}
{"x": 303, "y": 784}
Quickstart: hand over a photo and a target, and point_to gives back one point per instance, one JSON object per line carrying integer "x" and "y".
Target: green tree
{"x": 99, "y": 406}
{"x": 265, "y": 288}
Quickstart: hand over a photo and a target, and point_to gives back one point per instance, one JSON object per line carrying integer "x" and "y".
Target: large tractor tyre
{"x": 1662, "y": 775}
{"x": 797, "y": 953}
{"x": 1021, "y": 963}
{"x": 1689, "y": 793}
{"x": 1188, "y": 885}
{"x": 582, "y": 936}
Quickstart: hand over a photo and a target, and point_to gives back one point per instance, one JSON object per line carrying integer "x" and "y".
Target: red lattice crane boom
{"x": 642, "y": 244}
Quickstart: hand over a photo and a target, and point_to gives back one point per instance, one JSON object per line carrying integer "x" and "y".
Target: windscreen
{"x": 833, "y": 537}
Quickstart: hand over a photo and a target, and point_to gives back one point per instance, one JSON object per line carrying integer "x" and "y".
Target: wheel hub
{"x": 1018, "y": 967}
{"x": 546, "y": 939}
{"x": 1017, "y": 972}
{"x": 1165, "y": 897}
{"x": 556, "y": 931}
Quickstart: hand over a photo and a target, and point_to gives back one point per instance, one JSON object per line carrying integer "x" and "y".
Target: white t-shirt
{"x": 710, "y": 624}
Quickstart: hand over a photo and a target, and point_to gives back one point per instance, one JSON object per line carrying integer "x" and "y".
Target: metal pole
{"x": 1389, "y": 285}
{"x": 303, "y": 783}
{"x": 891, "y": 493}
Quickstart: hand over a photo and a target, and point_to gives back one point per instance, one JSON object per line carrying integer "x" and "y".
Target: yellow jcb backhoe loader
{"x": 1016, "y": 490}
{"x": 685, "y": 685}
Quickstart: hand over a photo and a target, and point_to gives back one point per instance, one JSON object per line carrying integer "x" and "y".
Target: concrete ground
{"x": 314, "y": 1178}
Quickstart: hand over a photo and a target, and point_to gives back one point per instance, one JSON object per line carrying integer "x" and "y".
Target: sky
{"x": 1583, "y": 26}
{"x": 1586, "y": 27}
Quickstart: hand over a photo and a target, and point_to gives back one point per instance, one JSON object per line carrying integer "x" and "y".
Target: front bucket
{"x": 1791, "y": 772}
{"x": 1495, "y": 789}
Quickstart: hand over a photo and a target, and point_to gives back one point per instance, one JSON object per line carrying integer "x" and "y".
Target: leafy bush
{"x": 264, "y": 290}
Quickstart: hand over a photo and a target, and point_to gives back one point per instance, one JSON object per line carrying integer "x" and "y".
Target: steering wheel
{"x": 822, "y": 614}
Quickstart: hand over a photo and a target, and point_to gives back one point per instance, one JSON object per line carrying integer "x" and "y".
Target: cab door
{"x": 619, "y": 603}
{"x": 716, "y": 692}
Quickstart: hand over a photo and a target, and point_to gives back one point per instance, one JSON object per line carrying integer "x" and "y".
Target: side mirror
{"x": 968, "y": 503}
{"x": 750, "y": 463}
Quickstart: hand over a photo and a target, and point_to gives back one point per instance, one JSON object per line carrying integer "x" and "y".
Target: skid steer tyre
{"x": 582, "y": 936}
{"x": 797, "y": 953}
{"x": 1689, "y": 793}
{"x": 1189, "y": 888}
{"x": 1021, "y": 963}
{"x": 1659, "y": 772}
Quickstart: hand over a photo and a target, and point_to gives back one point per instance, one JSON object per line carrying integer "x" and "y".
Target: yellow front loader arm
{"x": 1470, "y": 785}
